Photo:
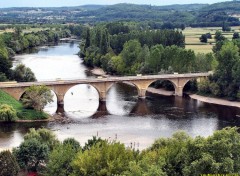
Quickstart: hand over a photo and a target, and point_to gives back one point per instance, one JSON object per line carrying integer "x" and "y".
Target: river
{"x": 134, "y": 122}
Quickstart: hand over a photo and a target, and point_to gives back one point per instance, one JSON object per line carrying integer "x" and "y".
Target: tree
{"x": 8, "y": 164}
{"x": 218, "y": 36}
{"x": 23, "y": 74}
{"x": 44, "y": 136}
{"x": 7, "y": 113}
{"x": 73, "y": 143}
{"x": 235, "y": 35}
{"x": 60, "y": 158}
{"x": 203, "y": 38}
{"x": 37, "y": 97}
{"x": 104, "y": 158}
{"x": 227, "y": 58}
{"x": 31, "y": 154}
{"x": 104, "y": 44}
{"x": 87, "y": 42}
{"x": 5, "y": 63}
{"x": 3, "y": 77}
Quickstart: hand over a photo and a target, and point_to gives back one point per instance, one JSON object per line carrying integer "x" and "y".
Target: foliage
{"x": 236, "y": 35}
{"x": 92, "y": 142}
{"x": 73, "y": 143}
{"x": 203, "y": 38}
{"x": 7, "y": 113}
{"x": 178, "y": 155}
{"x": 59, "y": 162}
{"x": 22, "y": 113}
{"x": 8, "y": 164}
{"x": 104, "y": 158}
{"x": 44, "y": 136}
{"x": 31, "y": 154}
{"x": 37, "y": 97}
{"x": 23, "y": 74}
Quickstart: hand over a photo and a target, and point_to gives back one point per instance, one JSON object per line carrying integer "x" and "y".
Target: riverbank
{"x": 217, "y": 101}
{"x": 98, "y": 72}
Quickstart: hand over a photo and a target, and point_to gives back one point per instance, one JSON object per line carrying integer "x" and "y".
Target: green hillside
{"x": 23, "y": 114}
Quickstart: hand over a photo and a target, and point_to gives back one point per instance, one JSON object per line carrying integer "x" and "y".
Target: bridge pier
{"x": 179, "y": 91}
{"x": 142, "y": 93}
{"x": 102, "y": 96}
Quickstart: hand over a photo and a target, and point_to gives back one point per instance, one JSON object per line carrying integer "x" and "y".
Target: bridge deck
{"x": 108, "y": 79}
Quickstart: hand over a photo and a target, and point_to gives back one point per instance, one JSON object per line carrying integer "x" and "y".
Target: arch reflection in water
{"x": 51, "y": 108}
{"x": 81, "y": 101}
{"x": 121, "y": 98}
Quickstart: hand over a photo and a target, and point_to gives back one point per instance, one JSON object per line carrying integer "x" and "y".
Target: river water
{"x": 134, "y": 122}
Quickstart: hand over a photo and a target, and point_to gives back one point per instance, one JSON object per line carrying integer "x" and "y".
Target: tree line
{"x": 119, "y": 50}
{"x": 17, "y": 42}
{"x": 42, "y": 153}
{"x": 226, "y": 80}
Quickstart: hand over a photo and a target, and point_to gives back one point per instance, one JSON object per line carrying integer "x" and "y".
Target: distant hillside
{"x": 187, "y": 14}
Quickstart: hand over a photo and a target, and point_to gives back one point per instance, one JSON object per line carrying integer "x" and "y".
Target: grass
{"x": 192, "y": 38}
{"x": 22, "y": 113}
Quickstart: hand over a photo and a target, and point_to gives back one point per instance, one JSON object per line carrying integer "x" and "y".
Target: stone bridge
{"x": 102, "y": 85}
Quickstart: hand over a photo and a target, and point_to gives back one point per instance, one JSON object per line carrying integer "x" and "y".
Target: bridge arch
{"x": 124, "y": 82}
{"x": 81, "y": 100}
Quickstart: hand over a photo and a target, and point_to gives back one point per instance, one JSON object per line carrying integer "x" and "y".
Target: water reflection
{"x": 81, "y": 101}
{"x": 121, "y": 99}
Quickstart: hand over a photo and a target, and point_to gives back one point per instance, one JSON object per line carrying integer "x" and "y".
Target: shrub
{"x": 8, "y": 164}
{"x": 7, "y": 113}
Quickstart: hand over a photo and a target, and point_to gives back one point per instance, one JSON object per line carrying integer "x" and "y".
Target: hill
{"x": 187, "y": 14}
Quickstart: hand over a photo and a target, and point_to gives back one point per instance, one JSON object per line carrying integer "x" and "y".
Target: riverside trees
{"x": 178, "y": 155}
{"x": 128, "y": 52}
{"x": 226, "y": 80}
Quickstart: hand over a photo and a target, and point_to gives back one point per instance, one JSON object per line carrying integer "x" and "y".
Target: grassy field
{"x": 29, "y": 30}
{"x": 192, "y": 38}
{"x": 23, "y": 114}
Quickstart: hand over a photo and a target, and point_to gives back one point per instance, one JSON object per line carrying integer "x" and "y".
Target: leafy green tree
{"x": 3, "y": 77}
{"x": 8, "y": 164}
{"x": 103, "y": 159}
{"x": 44, "y": 136}
{"x": 236, "y": 35}
{"x": 7, "y": 113}
{"x": 150, "y": 163}
{"x": 87, "y": 42}
{"x": 31, "y": 154}
{"x": 37, "y": 97}
{"x": 59, "y": 161}
{"x": 203, "y": 38}
{"x": 218, "y": 153}
{"x": 104, "y": 44}
{"x": 5, "y": 63}
{"x": 227, "y": 58}
{"x": 23, "y": 74}
{"x": 218, "y": 36}
{"x": 130, "y": 52}
{"x": 73, "y": 143}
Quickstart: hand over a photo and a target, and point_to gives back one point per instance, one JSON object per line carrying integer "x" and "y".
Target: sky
{"x": 60, "y": 3}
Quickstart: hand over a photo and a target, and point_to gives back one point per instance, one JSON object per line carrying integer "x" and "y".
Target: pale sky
{"x": 59, "y": 3}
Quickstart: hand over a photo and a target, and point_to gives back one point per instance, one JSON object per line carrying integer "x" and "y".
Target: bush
{"x": 7, "y": 113}
{"x": 8, "y": 164}
{"x": 203, "y": 87}
{"x": 215, "y": 89}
